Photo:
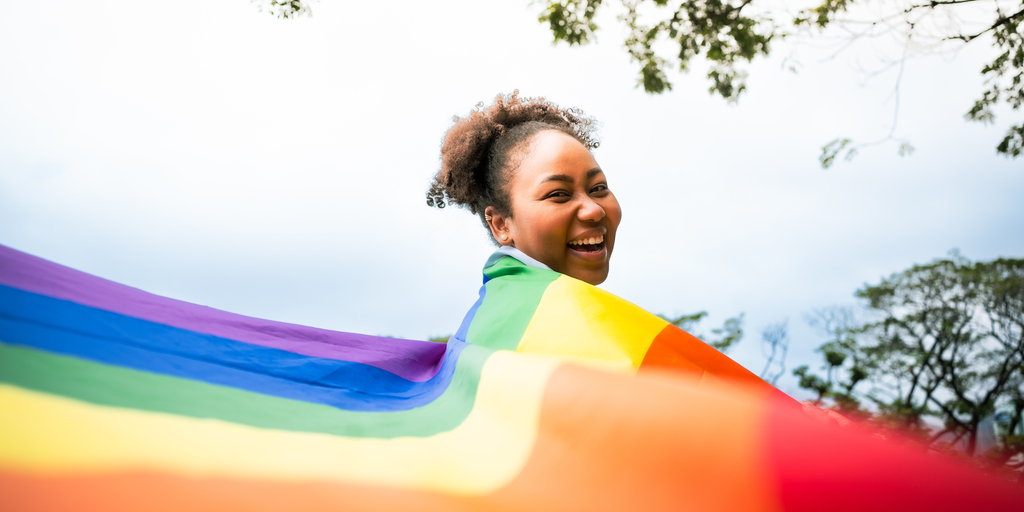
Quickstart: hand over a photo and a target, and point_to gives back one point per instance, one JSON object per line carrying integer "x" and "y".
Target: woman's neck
{"x": 507, "y": 250}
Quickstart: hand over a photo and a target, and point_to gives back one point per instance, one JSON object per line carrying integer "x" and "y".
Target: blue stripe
{"x": 65, "y": 327}
{"x": 468, "y": 319}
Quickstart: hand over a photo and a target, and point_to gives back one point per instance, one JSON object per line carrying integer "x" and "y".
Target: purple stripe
{"x": 413, "y": 360}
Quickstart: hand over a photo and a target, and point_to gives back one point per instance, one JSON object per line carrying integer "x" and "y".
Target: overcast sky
{"x": 212, "y": 153}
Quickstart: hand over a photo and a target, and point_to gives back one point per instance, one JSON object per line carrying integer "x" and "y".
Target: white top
{"x": 507, "y": 250}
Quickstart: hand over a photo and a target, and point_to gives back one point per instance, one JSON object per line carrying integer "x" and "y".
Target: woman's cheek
{"x": 555, "y": 238}
{"x": 554, "y": 241}
{"x": 614, "y": 212}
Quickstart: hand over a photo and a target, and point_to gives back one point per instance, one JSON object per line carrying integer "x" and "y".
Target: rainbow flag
{"x": 529, "y": 309}
{"x": 554, "y": 395}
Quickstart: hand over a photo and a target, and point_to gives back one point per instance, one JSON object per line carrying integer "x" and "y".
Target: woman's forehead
{"x": 557, "y": 157}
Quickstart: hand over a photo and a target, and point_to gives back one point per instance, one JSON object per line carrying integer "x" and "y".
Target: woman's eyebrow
{"x": 569, "y": 179}
{"x": 559, "y": 177}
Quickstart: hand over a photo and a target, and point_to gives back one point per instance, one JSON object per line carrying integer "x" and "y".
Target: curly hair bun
{"x": 479, "y": 152}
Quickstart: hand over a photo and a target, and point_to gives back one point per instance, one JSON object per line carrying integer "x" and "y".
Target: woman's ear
{"x": 499, "y": 224}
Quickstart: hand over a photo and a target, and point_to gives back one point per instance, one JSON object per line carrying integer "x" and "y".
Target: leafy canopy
{"x": 946, "y": 342}
{"x": 667, "y": 34}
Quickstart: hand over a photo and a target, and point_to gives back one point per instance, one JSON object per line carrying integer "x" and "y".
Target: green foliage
{"x": 717, "y": 30}
{"x": 1012, "y": 144}
{"x": 285, "y": 9}
{"x": 821, "y": 15}
{"x": 727, "y": 35}
{"x": 729, "y": 334}
{"x": 946, "y": 342}
{"x": 440, "y": 339}
{"x": 1003, "y": 77}
{"x": 571, "y": 21}
{"x": 686, "y": 322}
{"x": 812, "y": 382}
{"x": 831, "y": 150}
{"x": 844, "y": 367}
{"x": 834, "y": 358}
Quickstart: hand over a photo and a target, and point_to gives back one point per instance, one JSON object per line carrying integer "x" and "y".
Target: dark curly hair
{"x": 480, "y": 152}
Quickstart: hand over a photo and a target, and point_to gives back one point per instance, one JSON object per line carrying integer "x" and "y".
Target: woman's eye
{"x": 599, "y": 188}
{"x": 558, "y": 194}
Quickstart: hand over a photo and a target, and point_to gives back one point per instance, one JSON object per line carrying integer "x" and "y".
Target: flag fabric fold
{"x": 552, "y": 395}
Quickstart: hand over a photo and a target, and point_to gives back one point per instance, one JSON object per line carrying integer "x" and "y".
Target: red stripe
{"x": 822, "y": 466}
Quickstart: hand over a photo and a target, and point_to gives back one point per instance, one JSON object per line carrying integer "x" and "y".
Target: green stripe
{"x": 511, "y": 298}
{"x": 122, "y": 387}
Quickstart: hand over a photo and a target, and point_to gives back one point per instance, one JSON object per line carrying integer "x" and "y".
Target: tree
{"x": 729, "y": 33}
{"x": 775, "y": 346}
{"x": 837, "y": 323}
{"x": 724, "y": 337}
{"x": 946, "y": 342}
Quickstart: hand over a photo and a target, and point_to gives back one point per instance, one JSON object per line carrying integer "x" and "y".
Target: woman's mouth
{"x": 588, "y": 245}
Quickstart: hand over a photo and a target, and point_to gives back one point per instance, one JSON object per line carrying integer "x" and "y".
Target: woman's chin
{"x": 593, "y": 277}
{"x": 592, "y": 274}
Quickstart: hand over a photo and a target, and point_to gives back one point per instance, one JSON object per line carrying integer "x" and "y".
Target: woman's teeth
{"x": 588, "y": 241}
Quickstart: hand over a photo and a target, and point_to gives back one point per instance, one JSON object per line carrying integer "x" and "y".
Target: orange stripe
{"x": 132, "y": 492}
{"x": 646, "y": 442}
{"x": 676, "y": 349}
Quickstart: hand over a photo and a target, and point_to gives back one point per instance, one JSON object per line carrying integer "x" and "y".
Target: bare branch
{"x": 1002, "y": 20}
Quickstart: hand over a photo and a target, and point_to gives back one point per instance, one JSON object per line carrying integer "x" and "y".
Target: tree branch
{"x": 950, "y": 414}
{"x": 1000, "y": 22}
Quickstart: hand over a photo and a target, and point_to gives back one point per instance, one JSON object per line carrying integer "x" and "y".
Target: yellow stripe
{"x": 590, "y": 326}
{"x": 44, "y": 433}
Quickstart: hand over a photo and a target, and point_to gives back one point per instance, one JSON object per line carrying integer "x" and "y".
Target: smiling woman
{"x": 524, "y": 166}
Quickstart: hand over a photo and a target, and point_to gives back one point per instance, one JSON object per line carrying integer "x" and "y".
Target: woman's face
{"x": 563, "y": 213}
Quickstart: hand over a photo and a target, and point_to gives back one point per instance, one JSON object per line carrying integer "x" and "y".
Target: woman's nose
{"x": 590, "y": 211}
